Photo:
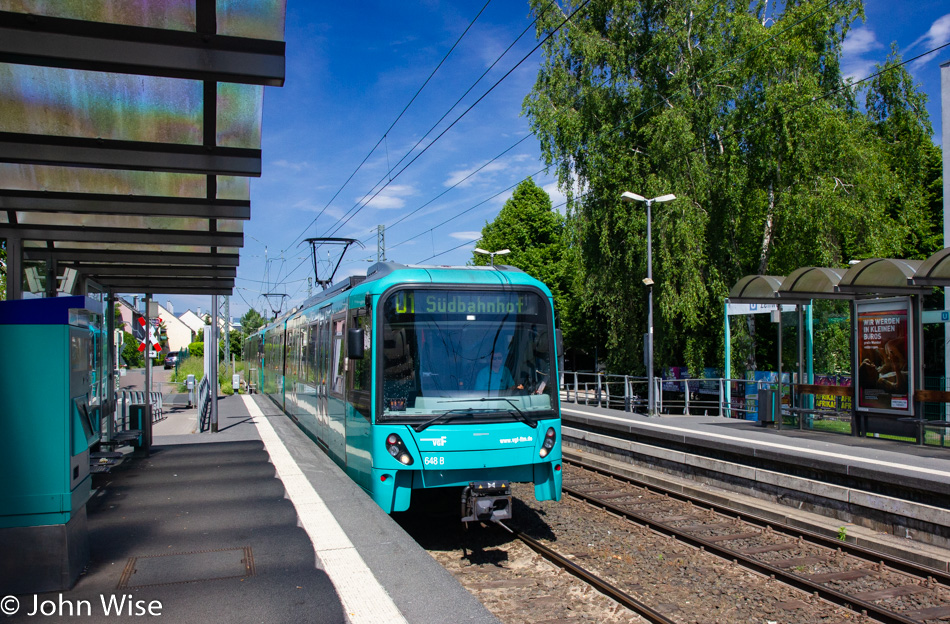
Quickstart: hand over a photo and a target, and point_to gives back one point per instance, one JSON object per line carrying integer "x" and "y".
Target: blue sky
{"x": 352, "y": 67}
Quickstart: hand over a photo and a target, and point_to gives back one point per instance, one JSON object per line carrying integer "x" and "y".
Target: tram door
{"x": 336, "y": 402}
{"x": 322, "y": 365}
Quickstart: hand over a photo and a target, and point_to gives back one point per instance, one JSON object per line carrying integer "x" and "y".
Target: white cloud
{"x": 936, "y": 36}
{"x": 859, "y": 42}
{"x": 466, "y": 236}
{"x": 457, "y": 177}
{"x": 392, "y": 197}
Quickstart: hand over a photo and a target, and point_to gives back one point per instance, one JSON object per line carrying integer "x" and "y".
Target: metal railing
{"x": 127, "y": 398}
{"x": 701, "y": 396}
{"x": 204, "y": 404}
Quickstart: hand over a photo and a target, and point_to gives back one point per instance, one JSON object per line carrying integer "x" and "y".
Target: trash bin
{"x": 767, "y": 399}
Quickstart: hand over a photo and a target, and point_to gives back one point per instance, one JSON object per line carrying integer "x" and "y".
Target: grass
{"x": 195, "y": 366}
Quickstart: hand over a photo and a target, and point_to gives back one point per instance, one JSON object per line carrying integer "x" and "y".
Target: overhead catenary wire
{"x": 390, "y": 169}
{"x": 848, "y": 85}
{"x": 393, "y": 124}
{"x": 676, "y": 94}
{"x": 360, "y": 205}
{"x": 548, "y": 36}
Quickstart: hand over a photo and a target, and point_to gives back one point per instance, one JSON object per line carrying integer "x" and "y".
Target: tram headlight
{"x": 549, "y": 439}
{"x": 396, "y": 448}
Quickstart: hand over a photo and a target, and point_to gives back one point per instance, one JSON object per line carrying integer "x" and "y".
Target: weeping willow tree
{"x": 742, "y": 112}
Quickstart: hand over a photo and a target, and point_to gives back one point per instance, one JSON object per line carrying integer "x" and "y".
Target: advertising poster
{"x": 883, "y": 355}
{"x": 824, "y": 401}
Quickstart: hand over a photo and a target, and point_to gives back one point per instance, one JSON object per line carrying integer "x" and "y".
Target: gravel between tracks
{"x": 688, "y": 585}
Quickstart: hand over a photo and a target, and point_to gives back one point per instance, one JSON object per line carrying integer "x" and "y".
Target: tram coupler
{"x": 486, "y": 501}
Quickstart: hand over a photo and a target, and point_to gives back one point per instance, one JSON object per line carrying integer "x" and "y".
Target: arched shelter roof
{"x": 756, "y": 289}
{"x": 935, "y": 270}
{"x": 807, "y": 283}
{"x": 882, "y": 276}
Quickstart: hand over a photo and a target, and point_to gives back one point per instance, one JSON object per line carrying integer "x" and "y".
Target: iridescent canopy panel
{"x": 128, "y": 132}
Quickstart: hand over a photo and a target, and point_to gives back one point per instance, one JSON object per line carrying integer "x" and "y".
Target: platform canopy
{"x": 807, "y": 283}
{"x": 128, "y": 133}
{"x": 935, "y": 270}
{"x": 756, "y": 289}
{"x": 881, "y": 276}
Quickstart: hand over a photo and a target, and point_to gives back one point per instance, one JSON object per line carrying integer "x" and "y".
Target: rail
{"x": 598, "y": 583}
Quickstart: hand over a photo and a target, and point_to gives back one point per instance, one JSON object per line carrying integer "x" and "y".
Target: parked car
{"x": 170, "y": 360}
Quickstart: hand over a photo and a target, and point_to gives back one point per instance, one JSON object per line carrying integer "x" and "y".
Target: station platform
{"x": 250, "y": 524}
{"x": 894, "y": 494}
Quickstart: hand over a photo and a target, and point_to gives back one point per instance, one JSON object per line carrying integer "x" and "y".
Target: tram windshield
{"x": 480, "y": 353}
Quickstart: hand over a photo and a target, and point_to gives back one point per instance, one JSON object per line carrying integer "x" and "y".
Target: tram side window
{"x": 338, "y": 362}
{"x": 362, "y": 369}
{"x": 399, "y": 377}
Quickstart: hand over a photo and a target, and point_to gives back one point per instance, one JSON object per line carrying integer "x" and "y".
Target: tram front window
{"x": 483, "y": 352}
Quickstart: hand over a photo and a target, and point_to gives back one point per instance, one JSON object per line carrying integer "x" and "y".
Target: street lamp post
{"x": 648, "y": 281}
{"x": 492, "y": 254}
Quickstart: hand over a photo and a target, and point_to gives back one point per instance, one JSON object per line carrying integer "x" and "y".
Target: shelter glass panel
{"x": 240, "y": 109}
{"x": 258, "y": 19}
{"x": 188, "y": 224}
{"x": 166, "y": 14}
{"x": 233, "y": 187}
{"x": 79, "y": 103}
{"x": 89, "y": 180}
{"x": 119, "y": 246}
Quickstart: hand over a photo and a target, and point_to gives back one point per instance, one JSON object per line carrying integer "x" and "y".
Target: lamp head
{"x": 647, "y": 281}
{"x": 482, "y": 251}
{"x": 632, "y": 197}
{"x": 502, "y": 252}
{"x": 665, "y": 198}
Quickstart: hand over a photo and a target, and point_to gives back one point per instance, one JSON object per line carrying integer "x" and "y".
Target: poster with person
{"x": 883, "y": 353}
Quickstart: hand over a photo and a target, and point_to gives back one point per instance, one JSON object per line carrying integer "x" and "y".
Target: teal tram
{"x": 425, "y": 377}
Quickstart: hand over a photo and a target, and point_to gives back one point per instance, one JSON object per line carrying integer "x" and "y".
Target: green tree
{"x": 130, "y": 351}
{"x": 741, "y": 111}
{"x": 251, "y": 322}
{"x": 197, "y": 349}
{"x": 235, "y": 343}
{"x": 535, "y": 233}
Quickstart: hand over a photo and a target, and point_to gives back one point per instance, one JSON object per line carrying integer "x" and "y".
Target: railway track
{"x": 595, "y": 581}
{"x": 870, "y": 583}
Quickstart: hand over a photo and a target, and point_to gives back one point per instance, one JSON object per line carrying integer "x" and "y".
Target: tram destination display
{"x": 883, "y": 355}
{"x": 463, "y": 303}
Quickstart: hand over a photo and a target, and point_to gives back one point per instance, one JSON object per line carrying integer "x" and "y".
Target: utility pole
{"x": 381, "y": 243}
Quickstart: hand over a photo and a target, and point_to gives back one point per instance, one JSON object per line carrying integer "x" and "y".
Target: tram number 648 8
{"x": 433, "y": 461}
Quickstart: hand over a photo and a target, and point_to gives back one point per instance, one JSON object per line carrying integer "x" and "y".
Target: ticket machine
{"x": 50, "y": 395}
